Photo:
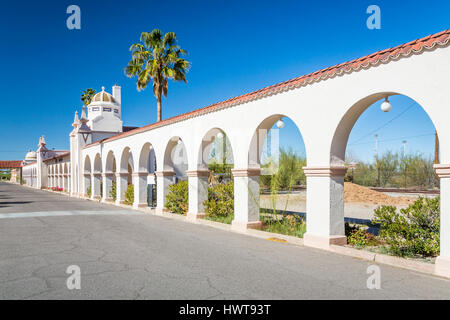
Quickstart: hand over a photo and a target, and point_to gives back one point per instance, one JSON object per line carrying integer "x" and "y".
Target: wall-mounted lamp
{"x": 386, "y": 106}
{"x": 280, "y": 124}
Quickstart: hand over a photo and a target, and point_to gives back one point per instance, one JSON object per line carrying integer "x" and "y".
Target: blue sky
{"x": 235, "y": 47}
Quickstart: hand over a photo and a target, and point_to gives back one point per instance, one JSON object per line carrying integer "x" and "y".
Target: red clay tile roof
{"x": 414, "y": 47}
{"x": 10, "y": 164}
{"x": 60, "y": 155}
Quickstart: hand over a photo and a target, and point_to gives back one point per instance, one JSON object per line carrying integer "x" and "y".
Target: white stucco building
{"x": 324, "y": 105}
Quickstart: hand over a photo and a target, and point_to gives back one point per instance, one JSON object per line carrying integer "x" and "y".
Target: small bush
{"x": 360, "y": 238}
{"x": 220, "y": 201}
{"x": 412, "y": 231}
{"x": 89, "y": 191}
{"x": 291, "y": 225}
{"x": 177, "y": 198}
{"x": 129, "y": 195}
{"x": 113, "y": 192}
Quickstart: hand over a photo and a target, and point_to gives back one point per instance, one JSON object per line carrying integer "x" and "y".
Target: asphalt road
{"x": 123, "y": 254}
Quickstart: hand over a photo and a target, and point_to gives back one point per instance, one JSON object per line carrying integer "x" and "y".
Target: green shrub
{"x": 220, "y": 201}
{"x": 177, "y": 198}
{"x": 360, "y": 238}
{"x": 412, "y": 231}
{"x": 113, "y": 192}
{"x": 291, "y": 225}
{"x": 129, "y": 195}
{"x": 89, "y": 191}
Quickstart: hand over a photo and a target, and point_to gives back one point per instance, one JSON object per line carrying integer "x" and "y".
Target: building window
{"x": 116, "y": 111}
{"x": 107, "y": 109}
{"x": 95, "y": 109}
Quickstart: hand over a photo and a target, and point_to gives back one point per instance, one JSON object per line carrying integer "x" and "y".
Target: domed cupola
{"x": 103, "y": 97}
{"x": 31, "y": 156}
{"x": 104, "y": 111}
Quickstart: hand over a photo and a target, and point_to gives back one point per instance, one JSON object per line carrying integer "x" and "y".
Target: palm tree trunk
{"x": 159, "y": 109}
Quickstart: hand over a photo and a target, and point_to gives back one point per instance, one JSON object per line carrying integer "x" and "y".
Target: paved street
{"x": 124, "y": 254}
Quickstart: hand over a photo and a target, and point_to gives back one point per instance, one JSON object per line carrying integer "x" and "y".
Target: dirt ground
{"x": 359, "y": 201}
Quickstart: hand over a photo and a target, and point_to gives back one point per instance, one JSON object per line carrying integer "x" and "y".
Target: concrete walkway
{"x": 130, "y": 255}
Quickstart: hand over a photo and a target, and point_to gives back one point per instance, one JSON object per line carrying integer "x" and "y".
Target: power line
{"x": 394, "y": 139}
{"x": 385, "y": 124}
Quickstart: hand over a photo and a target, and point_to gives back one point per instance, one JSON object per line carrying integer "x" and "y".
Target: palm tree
{"x": 87, "y": 96}
{"x": 157, "y": 58}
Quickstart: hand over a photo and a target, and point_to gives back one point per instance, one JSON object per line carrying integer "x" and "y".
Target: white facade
{"x": 324, "y": 105}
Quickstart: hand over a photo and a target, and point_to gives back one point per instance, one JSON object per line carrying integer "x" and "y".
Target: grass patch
{"x": 290, "y": 225}
{"x": 222, "y": 219}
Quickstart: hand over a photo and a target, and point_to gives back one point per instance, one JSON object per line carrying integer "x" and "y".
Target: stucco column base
{"x": 323, "y": 242}
{"x": 163, "y": 180}
{"x": 140, "y": 189}
{"x": 119, "y": 202}
{"x": 198, "y": 193}
{"x": 442, "y": 266}
{"x": 194, "y": 215}
{"x": 243, "y": 226}
{"x": 159, "y": 210}
{"x": 140, "y": 205}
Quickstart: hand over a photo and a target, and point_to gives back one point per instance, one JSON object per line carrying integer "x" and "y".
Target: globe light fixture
{"x": 280, "y": 124}
{"x": 386, "y": 106}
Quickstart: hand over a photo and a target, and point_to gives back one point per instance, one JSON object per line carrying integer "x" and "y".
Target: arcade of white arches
{"x": 324, "y": 105}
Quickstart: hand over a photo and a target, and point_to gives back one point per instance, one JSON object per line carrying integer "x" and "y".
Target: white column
{"x": 442, "y": 264}
{"x": 107, "y": 179}
{"x": 163, "y": 180}
{"x": 121, "y": 186}
{"x": 63, "y": 182}
{"x": 86, "y": 184}
{"x": 140, "y": 189}
{"x": 95, "y": 189}
{"x": 198, "y": 193}
{"x": 324, "y": 206}
{"x": 246, "y": 199}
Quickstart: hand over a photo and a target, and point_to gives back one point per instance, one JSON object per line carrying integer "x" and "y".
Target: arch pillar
{"x": 140, "y": 189}
{"x": 121, "y": 186}
{"x": 442, "y": 264}
{"x": 325, "y": 206}
{"x": 107, "y": 179}
{"x": 64, "y": 182}
{"x": 95, "y": 189}
{"x": 198, "y": 193}
{"x": 163, "y": 180}
{"x": 85, "y": 184}
{"x": 246, "y": 199}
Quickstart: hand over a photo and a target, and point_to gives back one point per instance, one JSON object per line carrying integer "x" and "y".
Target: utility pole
{"x": 376, "y": 160}
{"x": 376, "y": 146}
{"x": 404, "y": 148}
{"x": 436, "y": 147}
{"x": 405, "y": 162}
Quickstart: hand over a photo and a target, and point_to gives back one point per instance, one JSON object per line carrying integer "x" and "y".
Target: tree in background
{"x": 392, "y": 170}
{"x": 157, "y": 58}
{"x": 87, "y": 96}
{"x": 387, "y": 166}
